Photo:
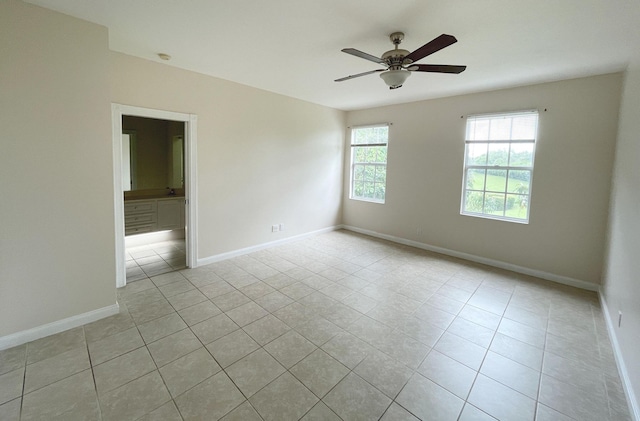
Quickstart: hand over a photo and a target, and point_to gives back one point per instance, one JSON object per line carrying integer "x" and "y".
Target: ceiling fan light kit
{"x": 399, "y": 62}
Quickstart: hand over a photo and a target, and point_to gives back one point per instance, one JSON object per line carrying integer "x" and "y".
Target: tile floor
{"x": 155, "y": 259}
{"x": 338, "y": 326}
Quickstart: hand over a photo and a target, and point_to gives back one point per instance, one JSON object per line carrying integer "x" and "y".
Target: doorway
{"x": 183, "y": 171}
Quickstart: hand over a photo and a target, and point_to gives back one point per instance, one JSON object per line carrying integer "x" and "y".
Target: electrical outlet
{"x": 281, "y": 227}
{"x": 275, "y": 228}
{"x": 619, "y": 318}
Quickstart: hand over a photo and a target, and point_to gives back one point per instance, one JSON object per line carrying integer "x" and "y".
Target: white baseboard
{"x": 153, "y": 237}
{"x": 29, "y": 335}
{"x": 247, "y": 250}
{"x": 634, "y": 408}
{"x": 565, "y": 280}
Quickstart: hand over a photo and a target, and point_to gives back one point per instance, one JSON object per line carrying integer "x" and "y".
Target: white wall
{"x": 56, "y": 236}
{"x": 571, "y": 181}
{"x": 621, "y": 287}
{"x": 263, "y": 158}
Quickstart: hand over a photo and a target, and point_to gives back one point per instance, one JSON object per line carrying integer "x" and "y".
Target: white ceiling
{"x": 292, "y": 47}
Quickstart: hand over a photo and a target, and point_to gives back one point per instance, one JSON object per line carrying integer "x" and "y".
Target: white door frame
{"x": 191, "y": 188}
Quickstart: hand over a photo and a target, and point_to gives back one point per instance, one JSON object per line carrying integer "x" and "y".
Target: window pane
{"x": 473, "y": 201}
{"x": 369, "y": 172}
{"x": 500, "y": 129}
{"x": 368, "y": 190}
{"x": 519, "y": 182}
{"x": 379, "y": 191}
{"x": 498, "y": 154}
{"x": 521, "y": 155}
{"x": 478, "y": 129}
{"x": 360, "y": 154}
{"x": 494, "y": 204}
{"x": 477, "y": 153}
{"x": 358, "y": 188}
{"x": 381, "y": 175}
{"x": 496, "y": 181}
{"x": 358, "y": 172}
{"x": 524, "y": 127}
{"x": 381, "y": 154}
{"x": 517, "y": 206}
{"x": 475, "y": 179}
{"x": 364, "y": 135}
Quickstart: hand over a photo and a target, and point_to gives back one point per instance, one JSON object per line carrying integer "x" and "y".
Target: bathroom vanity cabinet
{"x": 149, "y": 215}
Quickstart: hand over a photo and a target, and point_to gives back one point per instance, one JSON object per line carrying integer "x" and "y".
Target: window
{"x": 369, "y": 163}
{"x": 498, "y": 165}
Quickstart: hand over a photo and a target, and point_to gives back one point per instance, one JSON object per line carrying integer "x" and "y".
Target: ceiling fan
{"x": 398, "y": 63}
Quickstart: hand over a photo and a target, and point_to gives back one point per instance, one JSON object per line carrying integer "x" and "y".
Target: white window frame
{"x": 353, "y": 165}
{"x": 509, "y": 141}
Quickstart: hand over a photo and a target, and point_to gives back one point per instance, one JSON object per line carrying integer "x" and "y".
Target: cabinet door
{"x": 169, "y": 214}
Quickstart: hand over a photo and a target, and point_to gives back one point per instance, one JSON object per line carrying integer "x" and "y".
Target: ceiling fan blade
{"x": 431, "y": 47}
{"x": 436, "y": 68}
{"x": 363, "y": 55}
{"x": 358, "y": 75}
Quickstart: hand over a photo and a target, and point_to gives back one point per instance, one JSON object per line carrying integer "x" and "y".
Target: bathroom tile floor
{"x": 338, "y": 326}
{"x": 155, "y": 259}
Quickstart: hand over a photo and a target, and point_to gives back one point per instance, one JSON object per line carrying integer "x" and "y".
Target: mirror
{"x": 152, "y": 154}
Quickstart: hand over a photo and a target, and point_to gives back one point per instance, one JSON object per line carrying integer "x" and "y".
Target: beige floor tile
{"x": 175, "y": 288}
{"x": 230, "y": 300}
{"x": 134, "y": 399}
{"x": 254, "y": 371}
{"x": 319, "y": 372}
{"x": 532, "y": 336}
{"x": 210, "y": 400}
{"x": 427, "y": 400}
{"x": 273, "y": 301}
{"x": 257, "y": 290}
{"x": 283, "y": 399}
{"x": 115, "y": 345}
{"x": 55, "y": 344}
{"x": 290, "y": 348}
{"x": 544, "y": 413}
{"x": 573, "y": 372}
{"x": 216, "y": 289}
{"x": 167, "y": 412}
{"x": 500, "y": 401}
{"x": 510, "y": 373}
{"x": 108, "y": 326}
{"x": 295, "y": 314}
{"x": 518, "y": 351}
{"x": 318, "y": 330}
{"x": 266, "y": 329}
{"x": 461, "y": 350}
{"x": 369, "y": 330}
{"x": 186, "y": 299}
{"x": 397, "y": 413}
{"x": 526, "y": 317}
{"x": 297, "y": 290}
{"x": 383, "y": 372}
{"x": 13, "y": 358}
{"x": 232, "y": 347}
{"x": 185, "y": 372}
{"x": 244, "y": 412}
{"x": 246, "y": 313}
{"x": 438, "y": 318}
{"x": 56, "y": 368}
{"x": 173, "y": 347}
{"x": 403, "y": 348}
{"x": 355, "y": 399}
{"x": 10, "y": 411}
{"x": 456, "y": 377}
{"x": 11, "y": 385}
{"x": 146, "y": 311}
{"x": 320, "y": 412}
{"x": 123, "y": 369}
{"x": 161, "y": 327}
{"x": 199, "y": 312}
{"x": 481, "y": 317}
{"x": 473, "y": 332}
{"x": 214, "y": 328}
{"x": 421, "y": 331}
{"x": 580, "y": 403}
{"x": 360, "y": 302}
{"x": 471, "y": 413}
{"x": 167, "y": 278}
{"x": 347, "y": 349}
{"x": 73, "y": 398}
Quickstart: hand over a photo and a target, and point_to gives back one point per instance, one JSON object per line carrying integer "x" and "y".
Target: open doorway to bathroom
{"x": 154, "y": 198}
{"x": 154, "y": 191}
